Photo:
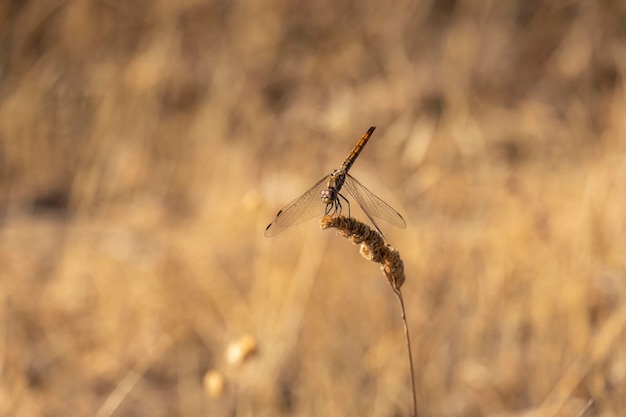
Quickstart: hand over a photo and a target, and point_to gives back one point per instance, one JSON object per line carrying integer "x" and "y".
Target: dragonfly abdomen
{"x": 347, "y": 164}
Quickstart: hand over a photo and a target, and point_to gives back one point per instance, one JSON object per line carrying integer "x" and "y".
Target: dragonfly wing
{"x": 303, "y": 208}
{"x": 371, "y": 204}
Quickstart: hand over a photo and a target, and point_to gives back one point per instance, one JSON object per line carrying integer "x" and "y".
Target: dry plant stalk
{"x": 374, "y": 248}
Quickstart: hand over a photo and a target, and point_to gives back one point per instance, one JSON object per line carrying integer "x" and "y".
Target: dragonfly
{"x": 325, "y": 198}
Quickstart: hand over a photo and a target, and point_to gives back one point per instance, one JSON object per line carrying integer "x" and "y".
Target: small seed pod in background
{"x": 241, "y": 350}
{"x": 214, "y": 384}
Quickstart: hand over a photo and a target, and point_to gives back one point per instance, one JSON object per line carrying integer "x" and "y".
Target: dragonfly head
{"x": 328, "y": 195}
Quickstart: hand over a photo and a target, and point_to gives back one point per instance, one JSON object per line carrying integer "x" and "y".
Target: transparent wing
{"x": 303, "y": 208}
{"x": 372, "y": 205}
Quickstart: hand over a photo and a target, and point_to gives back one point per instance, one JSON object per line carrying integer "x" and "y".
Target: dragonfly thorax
{"x": 335, "y": 182}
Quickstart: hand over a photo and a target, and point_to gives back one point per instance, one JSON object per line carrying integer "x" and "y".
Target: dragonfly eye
{"x": 328, "y": 195}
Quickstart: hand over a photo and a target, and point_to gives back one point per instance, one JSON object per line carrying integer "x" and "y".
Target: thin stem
{"x": 587, "y": 407}
{"x": 408, "y": 345}
{"x": 374, "y": 248}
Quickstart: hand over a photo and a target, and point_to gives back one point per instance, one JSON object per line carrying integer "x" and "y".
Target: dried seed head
{"x": 373, "y": 246}
{"x": 241, "y": 350}
{"x": 214, "y": 384}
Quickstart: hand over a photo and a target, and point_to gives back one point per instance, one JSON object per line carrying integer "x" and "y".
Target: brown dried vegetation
{"x": 144, "y": 146}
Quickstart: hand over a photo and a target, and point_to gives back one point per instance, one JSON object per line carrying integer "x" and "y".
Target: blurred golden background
{"x": 145, "y": 145}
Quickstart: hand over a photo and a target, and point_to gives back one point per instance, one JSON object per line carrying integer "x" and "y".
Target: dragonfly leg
{"x": 339, "y": 203}
{"x": 336, "y": 207}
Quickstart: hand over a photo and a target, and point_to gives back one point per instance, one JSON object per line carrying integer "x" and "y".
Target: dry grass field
{"x": 145, "y": 145}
